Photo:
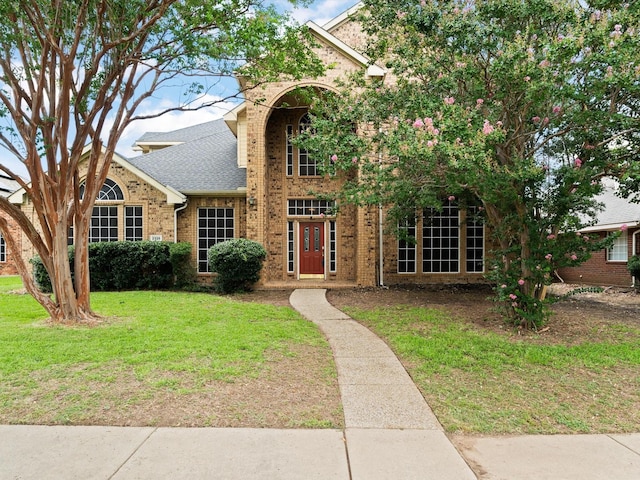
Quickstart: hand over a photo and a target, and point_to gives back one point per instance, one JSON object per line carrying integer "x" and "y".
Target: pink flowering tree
{"x": 516, "y": 108}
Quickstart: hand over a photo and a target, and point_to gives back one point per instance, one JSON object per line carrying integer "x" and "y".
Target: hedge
{"x": 130, "y": 266}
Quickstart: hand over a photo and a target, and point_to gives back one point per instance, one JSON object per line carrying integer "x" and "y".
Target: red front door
{"x": 312, "y": 248}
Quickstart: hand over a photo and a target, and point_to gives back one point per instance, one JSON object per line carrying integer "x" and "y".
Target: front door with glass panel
{"x": 311, "y": 250}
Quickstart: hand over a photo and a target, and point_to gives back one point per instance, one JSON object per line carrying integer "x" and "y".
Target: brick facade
{"x": 599, "y": 271}
{"x": 7, "y": 266}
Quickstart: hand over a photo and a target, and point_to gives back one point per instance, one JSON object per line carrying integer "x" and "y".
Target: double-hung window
{"x": 618, "y": 252}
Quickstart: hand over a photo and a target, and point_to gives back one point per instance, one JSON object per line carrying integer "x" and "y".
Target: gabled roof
{"x": 343, "y": 17}
{"x": 372, "y": 69}
{"x": 173, "y": 196}
{"x": 7, "y": 185}
{"x": 617, "y": 211}
{"x": 205, "y": 165}
{"x": 182, "y": 135}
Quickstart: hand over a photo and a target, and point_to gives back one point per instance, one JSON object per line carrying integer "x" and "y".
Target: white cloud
{"x": 320, "y": 11}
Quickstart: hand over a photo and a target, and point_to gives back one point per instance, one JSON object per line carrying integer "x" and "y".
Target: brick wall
{"x": 8, "y": 266}
{"x": 598, "y": 271}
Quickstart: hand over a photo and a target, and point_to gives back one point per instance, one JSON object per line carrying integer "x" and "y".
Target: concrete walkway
{"x": 390, "y": 433}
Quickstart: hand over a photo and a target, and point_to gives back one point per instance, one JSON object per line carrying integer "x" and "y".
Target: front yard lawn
{"x": 165, "y": 358}
{"x": 481, "y": 376}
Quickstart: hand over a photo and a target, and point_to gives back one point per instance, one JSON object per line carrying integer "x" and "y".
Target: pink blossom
{"x": 428, "y": 121}
{"x": 574, "y": 257}
{"x": 557, "y": 109}
{"x": 479, "y": 102}
{"x": 624, "y": 227}
{"x": 451, "y": 198}
{"x": 354, "y": 160}
{"x": 578, "y": 233}
{"x": 527, "y": 78}
{"x": 577, "y": 163}
{"x": 535, "y": 119}
{"x": 418, "y": 123}
{"x": 487, "y": 128}
{"x": 545, "y": 121}
{"x": 503, "y": 286}
{"x": 586, "y": 238}
{"x": 544, "y": 64}
{"x": 449, "y": 100}
{"x": 322, "y": 215}
{"x": 334, "y": 158}
{"x": 400, "y": 14}
{"x": 521, "y": 282}
{"x": 430, "y": 143}
{"x": 551, "y": 236}
{"x": 513, "y": 296}
{"x": 548, "y": 256}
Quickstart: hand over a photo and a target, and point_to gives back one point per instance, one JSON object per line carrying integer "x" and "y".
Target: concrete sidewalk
{"x": 390, "y": 433}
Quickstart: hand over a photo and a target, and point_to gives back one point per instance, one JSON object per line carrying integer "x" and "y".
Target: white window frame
{"x": 619, "y": 251}
{"x": 3, "y": 249}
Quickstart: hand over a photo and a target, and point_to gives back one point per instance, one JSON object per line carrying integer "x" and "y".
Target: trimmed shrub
{"x": 237, "y": 262}
{"x": 127, "y": 265}
{"x": 183, "y": 270}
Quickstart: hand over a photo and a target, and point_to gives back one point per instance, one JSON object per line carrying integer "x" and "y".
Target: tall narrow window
{"x": 618, "y": 252}
{"x": 441, "y": 240}
{"x": 290, "y": 247}
{"x": 307, "y": 166}
{"x": 333, "y": 242}
{"x": 475, "y": 241}
{"x": 104, "y": 224}
{"x": 407, "y": 247}
{"x": 3, "y": 249}
{"x": 215, "y": 225}
{"x": 133, "y": 223}
{"x": 289, "y": 151}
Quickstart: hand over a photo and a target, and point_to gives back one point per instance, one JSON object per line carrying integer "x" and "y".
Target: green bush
{"x": 183, "y": 270}
{"x": 634, "y": 266}
{"x": 128, "y": 266}
{"x": 237, "y": 262}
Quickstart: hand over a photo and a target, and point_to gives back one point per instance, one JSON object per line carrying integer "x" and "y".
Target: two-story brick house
{"x": 242, "y": 176}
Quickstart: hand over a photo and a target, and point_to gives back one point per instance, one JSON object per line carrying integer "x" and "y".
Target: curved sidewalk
{"x": 390, "y": 431}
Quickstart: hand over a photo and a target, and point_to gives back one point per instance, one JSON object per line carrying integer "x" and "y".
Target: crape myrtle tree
{"x": 76, "y": 73}
{"x": 515, "y": 108}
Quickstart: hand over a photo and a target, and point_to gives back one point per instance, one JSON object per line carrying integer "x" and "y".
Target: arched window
{"x": 109, "y": 191}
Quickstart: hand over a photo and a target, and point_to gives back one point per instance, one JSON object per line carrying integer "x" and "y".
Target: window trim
{"x": 617, "y": 248}
{"x": 456, "y": 249}
{"x": 199, "y": 251}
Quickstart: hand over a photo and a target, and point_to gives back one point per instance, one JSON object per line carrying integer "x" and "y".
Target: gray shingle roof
{"x": 205, "y": 163}
{"x": 617, "y": 210}
{"x": 7, "y": 185}
{"x": 183, "y": 135}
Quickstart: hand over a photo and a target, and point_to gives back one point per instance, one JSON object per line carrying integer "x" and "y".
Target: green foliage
{"x": 237, "y": 262}
{"x": 130, "y": 266}
{"x": 634, "y": 266}
{"x": 180, "y": 258}
{"x": 514, "y": 106}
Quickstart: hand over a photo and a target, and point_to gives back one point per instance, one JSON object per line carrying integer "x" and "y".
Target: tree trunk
{"x": 81, "y": 263}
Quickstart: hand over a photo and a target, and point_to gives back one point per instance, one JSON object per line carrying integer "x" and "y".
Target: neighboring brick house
{"x": 609, "y": 267}
{"x": 241, "y": 176}
{"x": 7, "y": 267}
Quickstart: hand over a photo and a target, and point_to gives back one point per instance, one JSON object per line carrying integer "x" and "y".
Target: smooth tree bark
{"x": 74, "y": 75}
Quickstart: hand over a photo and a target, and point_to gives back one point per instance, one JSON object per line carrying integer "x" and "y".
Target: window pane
{"x": 618, "y": 251}
{"x": 440, "y": 240}
{"x": 215, "y": 225}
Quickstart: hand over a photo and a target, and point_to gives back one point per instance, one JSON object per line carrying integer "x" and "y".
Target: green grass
{"x": 168, "y": 341}
{"x": 482, "y": 382}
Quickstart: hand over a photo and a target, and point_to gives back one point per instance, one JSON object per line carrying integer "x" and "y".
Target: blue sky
{"x": 319, "y": 11}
